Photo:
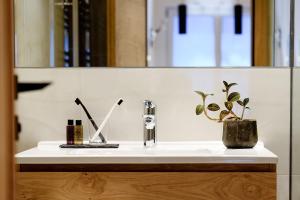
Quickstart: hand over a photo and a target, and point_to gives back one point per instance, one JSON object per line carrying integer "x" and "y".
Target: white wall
{"x": 43, "y": 114}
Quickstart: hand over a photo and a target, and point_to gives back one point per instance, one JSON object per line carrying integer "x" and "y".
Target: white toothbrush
{"x": 118, "y": 103}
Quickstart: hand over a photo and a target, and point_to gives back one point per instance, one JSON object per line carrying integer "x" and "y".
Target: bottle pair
{"x": 74, "y": 132}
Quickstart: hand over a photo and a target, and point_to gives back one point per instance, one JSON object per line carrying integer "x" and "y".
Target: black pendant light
{"x": 238, "y": 19}
{"x": 182, "y": 13}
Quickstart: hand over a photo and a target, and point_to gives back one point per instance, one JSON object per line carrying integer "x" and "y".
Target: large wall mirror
{"x": 145, "y": 33}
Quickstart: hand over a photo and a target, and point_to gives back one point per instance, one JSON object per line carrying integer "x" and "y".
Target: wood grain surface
{"x": 262, "y": 40}
{"x": 146, "y": 186}
{"x": 111, "y": 33}
{"x": 130, "y": 33}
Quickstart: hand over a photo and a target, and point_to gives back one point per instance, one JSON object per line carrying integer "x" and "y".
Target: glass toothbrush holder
{"x": 92, "y": 130}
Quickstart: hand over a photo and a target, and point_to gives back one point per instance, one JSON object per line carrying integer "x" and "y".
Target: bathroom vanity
{"x": 167, "y": 171}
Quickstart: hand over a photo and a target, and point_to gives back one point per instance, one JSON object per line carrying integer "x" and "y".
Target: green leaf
{"x": 199, "y": 109}
{"x": 203, "y": 95}
{"x": 231, "y": 85}
{"x": 213, "y": 107}
{"x": 246, "y": 101}
{"x": 226, "y": 84}
{"x": 229, "y": 105}
{"x": 223, "y": 114}
{"x": 240, "y": 103}
{"x": 235, "y": 96}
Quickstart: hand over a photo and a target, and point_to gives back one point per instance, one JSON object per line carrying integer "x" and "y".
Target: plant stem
{"x": 231, "y": 112}
{"x": 244, "y": 108}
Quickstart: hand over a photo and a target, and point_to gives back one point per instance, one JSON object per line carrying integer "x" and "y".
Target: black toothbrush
{"x": 78, "y": 102}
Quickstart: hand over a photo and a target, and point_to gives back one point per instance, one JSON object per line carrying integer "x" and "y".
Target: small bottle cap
{"x": 70, "y": 122}
{"x": 78, "y": 122}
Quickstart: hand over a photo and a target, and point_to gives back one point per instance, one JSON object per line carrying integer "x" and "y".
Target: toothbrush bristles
{"x": 77, "y": 101}
{"x": 120, "y": 102}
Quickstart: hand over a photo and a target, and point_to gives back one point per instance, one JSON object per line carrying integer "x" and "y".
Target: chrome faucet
{"x": 149, "y": 123}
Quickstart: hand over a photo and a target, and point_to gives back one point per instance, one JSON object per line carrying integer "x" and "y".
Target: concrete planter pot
{"x": 240, "y": 134}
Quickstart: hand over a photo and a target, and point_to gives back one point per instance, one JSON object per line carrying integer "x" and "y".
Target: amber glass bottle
{"x": 78, "y": 136}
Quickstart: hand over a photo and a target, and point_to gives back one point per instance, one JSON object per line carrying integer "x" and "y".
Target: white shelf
{"x": 135, "y": 153}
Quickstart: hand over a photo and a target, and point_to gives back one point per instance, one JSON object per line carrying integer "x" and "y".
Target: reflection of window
{"x": 211, "y": 41}
{"x": 236, "y": 48}
{"x": 197, "y": 47}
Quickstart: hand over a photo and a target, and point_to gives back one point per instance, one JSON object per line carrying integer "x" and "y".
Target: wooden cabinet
{"x": 148, "y": 182}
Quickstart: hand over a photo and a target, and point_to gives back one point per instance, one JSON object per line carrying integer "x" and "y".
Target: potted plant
{"x": 238, "y": 133}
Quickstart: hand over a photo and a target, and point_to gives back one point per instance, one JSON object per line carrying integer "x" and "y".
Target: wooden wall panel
{"x": 130, "y": 33}
{"x": 111, "y": 33}
{"x": 32, "y": 33}
{"x": 6, "y": 100}
{"x": 262, "y": 10}
{"x": 146, "y": 186}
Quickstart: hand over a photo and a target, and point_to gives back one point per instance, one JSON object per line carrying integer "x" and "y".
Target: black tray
{"x": 89, "y": 146}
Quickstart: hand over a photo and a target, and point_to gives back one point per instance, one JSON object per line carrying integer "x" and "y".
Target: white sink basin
{"x": 134, "y": 148}
{"x": 165, "y": 147}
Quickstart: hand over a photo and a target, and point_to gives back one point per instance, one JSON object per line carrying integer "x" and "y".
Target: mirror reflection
{"x": 60, "y": 33}
{"x": 200, "y": 33}
{"x": 130, "y": 33}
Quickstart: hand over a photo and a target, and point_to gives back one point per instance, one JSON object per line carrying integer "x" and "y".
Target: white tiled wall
{"x": 43, "y": 114}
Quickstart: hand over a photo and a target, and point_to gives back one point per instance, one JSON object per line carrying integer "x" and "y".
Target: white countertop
{"x": 135, "y": 153}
